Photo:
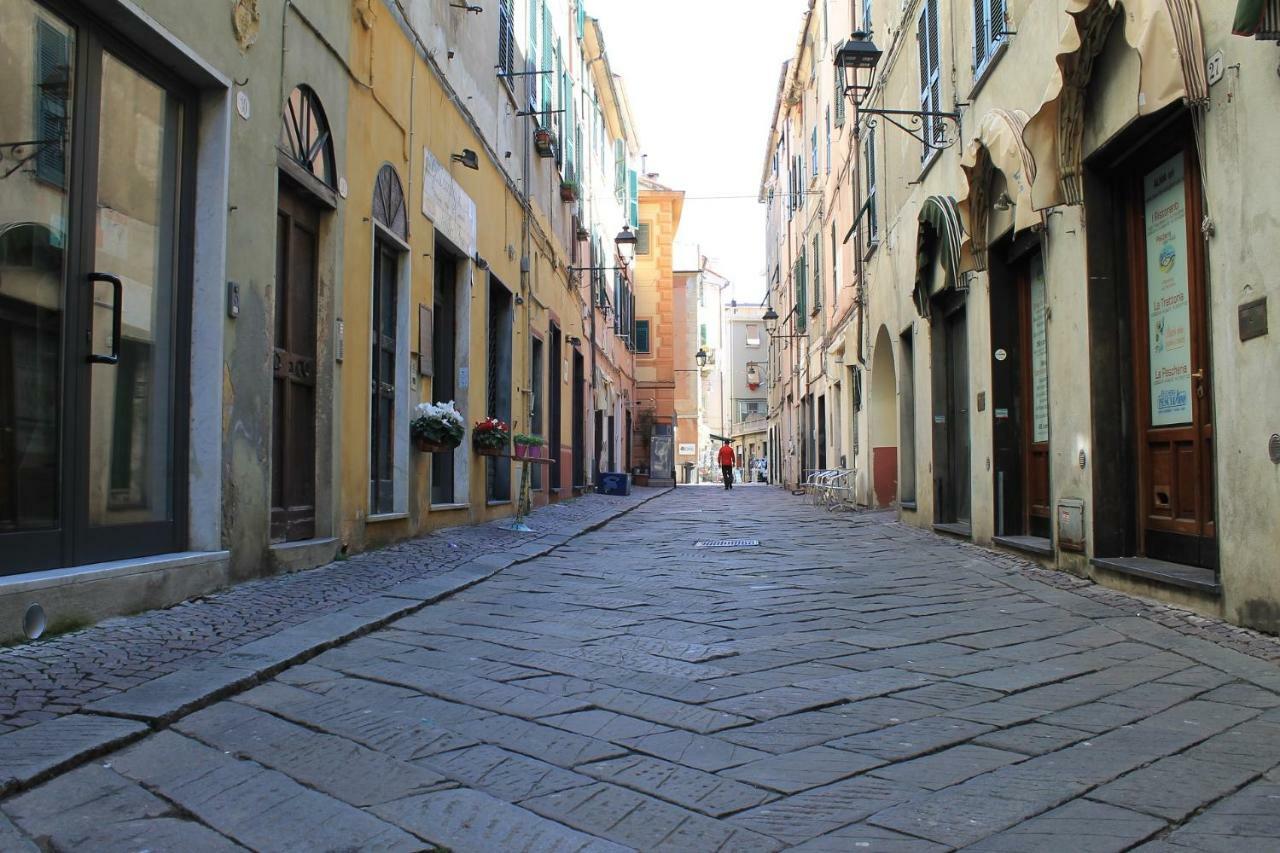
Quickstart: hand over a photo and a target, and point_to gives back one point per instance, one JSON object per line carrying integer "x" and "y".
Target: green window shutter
{"x": 642, "y": 335}
{"x": 53, "y": 63}
{"x": 817, "y": 270}
{"x": 531, "y": 54}
{"x": 802, "y": 292}
{"x": 619, "y": 169}
{"x": 873, "y": 224}
{"x": 840, "y": 100}
{"x": 582, "y": 18}
{"x": 547, "y": 59}
{"x": 633, "y": 198}
{"x": 828, "y": 140}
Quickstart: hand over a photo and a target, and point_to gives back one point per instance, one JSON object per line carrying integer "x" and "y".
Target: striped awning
{"x": 1167, "y": 36}
{"x": 939, "y": 235}
{"x": 998, "y": 145}
{"x": 1258, "y": 18}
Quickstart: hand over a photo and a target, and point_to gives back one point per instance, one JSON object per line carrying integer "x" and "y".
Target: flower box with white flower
{"x": 437, "y": 427}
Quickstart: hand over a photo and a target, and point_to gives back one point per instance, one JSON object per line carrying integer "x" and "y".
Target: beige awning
{"x": 998, "y": 145}
{"x": 1167, "y": 36}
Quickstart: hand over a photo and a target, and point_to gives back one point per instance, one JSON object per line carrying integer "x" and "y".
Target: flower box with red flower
{"x": 491, "y": 437}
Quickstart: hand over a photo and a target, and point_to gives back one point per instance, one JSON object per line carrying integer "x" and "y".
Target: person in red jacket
{"x": 727, "y": 459}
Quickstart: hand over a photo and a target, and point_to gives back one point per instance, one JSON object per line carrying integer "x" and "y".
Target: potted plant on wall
{"x": 491, "y": 437}
{"x": 544, "y": 142}
{"x": 528, "y": 446}
{"x": 569, "y": 190}
{"x": 437, "y": 427}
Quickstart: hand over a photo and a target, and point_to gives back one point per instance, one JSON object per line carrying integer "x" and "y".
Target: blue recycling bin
{"x": 614, "y": 483}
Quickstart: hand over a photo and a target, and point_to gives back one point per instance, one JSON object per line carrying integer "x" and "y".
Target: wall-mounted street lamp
{"x": 467, "y": 158}
{"x": 626, "y": 243}
{"x": 856, "y": 62}
{"x": 771, "y": 325}
{"x": 701, "y": 358}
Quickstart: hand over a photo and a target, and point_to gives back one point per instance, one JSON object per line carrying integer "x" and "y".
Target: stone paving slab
{"x": 94, "y": 808}
{"x": 333, "y": 765}
{"x": 503, "y": 774}
{"x": 261, "y": 809}
{"x": 1078, "y": 827}
{"x": 801, "y": 817}
{"x": 684, "y": 786}
{"x": 474, "y": 822}
{"x": 645, "y": 823}
{"x": 30, "y": 754}
{"x": 793, "y": 772}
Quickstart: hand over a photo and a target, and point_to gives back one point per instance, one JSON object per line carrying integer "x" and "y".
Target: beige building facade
{"x": 1059, "y": 339}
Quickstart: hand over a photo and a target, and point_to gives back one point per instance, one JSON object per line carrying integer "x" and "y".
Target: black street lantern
{"x": 932, "y": 128}
{"x": 855, "y": 55}
{"x": 770, "y": 320}
{"x": 626, "y": 243}
{"x": 701, "y": 358}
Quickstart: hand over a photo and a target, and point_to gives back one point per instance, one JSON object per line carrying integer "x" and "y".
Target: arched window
{"x": 305, "y": 137}
{"x": 388, "y": 203}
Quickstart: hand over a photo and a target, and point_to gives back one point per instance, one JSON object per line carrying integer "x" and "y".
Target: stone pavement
{"x": 849, "y": 684}
{"x": 58, "y": 676}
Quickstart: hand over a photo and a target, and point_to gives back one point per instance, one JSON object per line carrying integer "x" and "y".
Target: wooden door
{"x": 1034, "y": 358}
{"x": 957, "y": 369}
{"x": 1172, "y": 377}
{"x": 382, "y": 421}
{"x": 293, "y": 447}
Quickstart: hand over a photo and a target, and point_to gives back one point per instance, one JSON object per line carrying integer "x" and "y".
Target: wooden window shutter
{"x": 981, "y": 33}
{"x": 839, "y": 96}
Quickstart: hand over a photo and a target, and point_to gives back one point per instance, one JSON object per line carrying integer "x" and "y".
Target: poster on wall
{"x": 1039, "y": 356}
{"x": 662, "y": 464}
{"x": 1168, "y": 299}
{"x": 688, "y": 449}
{"x": 447, "y": 205}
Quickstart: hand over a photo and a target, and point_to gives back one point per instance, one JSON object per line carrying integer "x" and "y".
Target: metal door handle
{"x": 116, "y": 312}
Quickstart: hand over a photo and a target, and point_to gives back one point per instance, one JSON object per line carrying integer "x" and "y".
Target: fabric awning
{"x": 1167, "y": 36}
{"x": 1249, "y": 15}
{"x": 998, "y": 145}
{"x": 939, "y": 234}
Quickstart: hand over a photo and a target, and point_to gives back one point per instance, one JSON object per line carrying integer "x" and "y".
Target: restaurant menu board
{"x": 1039, "y": 355}
{"x": 1168, "y": 299}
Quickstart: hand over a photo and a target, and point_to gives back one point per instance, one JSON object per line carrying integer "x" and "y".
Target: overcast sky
{"x": 701, "y": 76}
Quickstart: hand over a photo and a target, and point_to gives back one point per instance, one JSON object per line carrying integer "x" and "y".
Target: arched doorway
{"x": 884, "y": 422}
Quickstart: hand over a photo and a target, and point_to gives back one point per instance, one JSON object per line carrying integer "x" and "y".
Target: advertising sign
{"x": 1168, "y": 299}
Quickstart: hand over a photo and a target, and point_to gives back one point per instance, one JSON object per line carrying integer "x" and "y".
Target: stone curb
{"x": 31, "y": 755}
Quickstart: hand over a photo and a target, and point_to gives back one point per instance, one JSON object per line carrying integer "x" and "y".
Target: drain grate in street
{"x": 727, "y": 543}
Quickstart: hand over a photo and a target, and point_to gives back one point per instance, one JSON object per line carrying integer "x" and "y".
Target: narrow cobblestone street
{"x": 849, "y": 683}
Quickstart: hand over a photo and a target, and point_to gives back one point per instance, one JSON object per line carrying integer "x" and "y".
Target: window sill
{"x": 498, "y": 503}
{"x": 981, "y": 74}
{"x": 386, "y": 516}
{"x": 449, "y": 507}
